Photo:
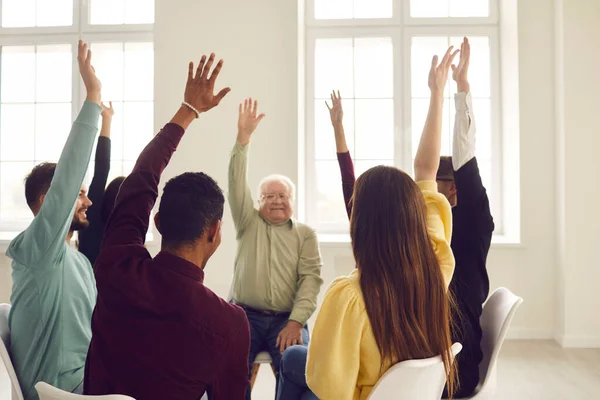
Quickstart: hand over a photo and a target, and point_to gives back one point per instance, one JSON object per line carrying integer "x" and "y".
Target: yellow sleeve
{"x": 334, "y": 349}
{"x": 439, "y": 226}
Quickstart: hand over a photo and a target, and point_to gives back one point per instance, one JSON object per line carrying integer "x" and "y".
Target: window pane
{"x": 429, "y": 8}
{"x": 482, "y": 114}
{"x": 18, "y": 74}
{"x": 333, "y": 9}
{"x": 138, "y": 128}
{"x": 469, "y": 8}
{"x": 107, "y": 12}
{"x": 139, "y": 71}
{"x": 449, "y": 8}
{"x": 333, "y": 67}
{"x": 373, "y": 9}
{"x": 52, "y": 127}
{"x": 373, "y": 67}
{"x": 54, "y": 73}
{"x": 13, "y": 206}
{"x": 16, "y": 132}
{"x": 324, "y": 137}
{"x": 18, "y": 13}
{"x": 374, "y": 129}
{"x": 423, "y": 49}
{"x": 139, "y": 11}
{"x": 109, "y": 64}
{"x": 419, "y": 108}
{"x": 330, "y": 203}
{"x": 362, "y": 165}
{"x": 54, "y": 13}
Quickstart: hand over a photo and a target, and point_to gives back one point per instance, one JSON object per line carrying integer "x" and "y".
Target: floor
{"x": 528, "y": 370}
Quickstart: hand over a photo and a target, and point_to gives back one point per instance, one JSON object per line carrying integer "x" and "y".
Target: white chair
{"x": 49, "y": 392}
{"x": 17, "y": 394}
{"x": 261, "y": 358}
{"x": 413, "y": 379}
{"x": 498, "y": 312}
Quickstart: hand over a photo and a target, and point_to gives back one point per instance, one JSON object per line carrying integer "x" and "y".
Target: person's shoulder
{"x": 346, "y": 288}
{"x": 305, "y": 230}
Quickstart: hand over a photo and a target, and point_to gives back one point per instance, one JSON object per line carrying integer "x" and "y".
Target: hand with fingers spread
{"x": 88, "y": 73}
{"x": 438, "y": 74}
{"x": 336, "y": 113}
{"x": 200, "y": 87}
{"x": 248, "y": 120}
{"x": 460, "y": 72}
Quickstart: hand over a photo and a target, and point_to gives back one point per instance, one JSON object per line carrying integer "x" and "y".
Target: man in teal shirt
{"x": 54, "y": 291}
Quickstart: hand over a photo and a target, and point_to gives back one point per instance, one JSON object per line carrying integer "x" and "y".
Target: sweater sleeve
{"x": 348, "y": 179}
{"x": 334, "y": 351}
{"x": 439, "y": 227}
{"x": 47, "y": 233}
{"x": 91, "y": 238}
{"x": 239, "y": 194}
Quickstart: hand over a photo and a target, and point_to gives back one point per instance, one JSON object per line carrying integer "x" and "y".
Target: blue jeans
{"x": 264, "y": 330}
{"x": 292, "y": 375}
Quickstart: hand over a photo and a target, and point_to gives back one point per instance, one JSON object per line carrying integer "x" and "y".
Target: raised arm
{"x": 129, "y": 220}
{"x": 239, "y": 193}
{"x": 336, "y": 114}
{"x": 48, "y": 231}
{"x": 90, "y": 238}
{"x": 427, "y": 159}
{"x": 467, "y": 178}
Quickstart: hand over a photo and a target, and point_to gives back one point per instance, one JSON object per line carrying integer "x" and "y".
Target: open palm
{"x": 248, "y": 120}
{"x": 336, "y": 112}
{"x": 460, "y": 72}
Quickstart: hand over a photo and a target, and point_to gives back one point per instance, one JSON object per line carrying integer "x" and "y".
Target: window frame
{"x": 401, "y": 28}
{"x": 81, "y": 28}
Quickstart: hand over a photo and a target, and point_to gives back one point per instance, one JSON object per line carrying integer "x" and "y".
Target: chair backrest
{"x": 497, "y": 314}
{"x": 413, "y": 379}
{"x": 49, "y": 392}
{"x": 5, "y": 352}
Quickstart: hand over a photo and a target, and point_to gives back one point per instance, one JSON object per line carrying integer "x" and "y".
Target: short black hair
{"x": 110, "y": 195}
{"x": 445, "y": 171}
{"x": 190, "y": 203}
{"x": 38, "y": 182}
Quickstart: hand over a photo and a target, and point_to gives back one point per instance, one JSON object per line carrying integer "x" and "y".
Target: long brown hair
{"x": 400, "y": 277}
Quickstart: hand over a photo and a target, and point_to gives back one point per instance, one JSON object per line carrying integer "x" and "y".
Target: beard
{"x": 79, "y": 224}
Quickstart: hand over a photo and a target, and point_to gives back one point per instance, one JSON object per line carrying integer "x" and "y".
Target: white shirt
{"x": 463, "y": 149}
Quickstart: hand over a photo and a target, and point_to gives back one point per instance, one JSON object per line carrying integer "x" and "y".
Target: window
{"x": 41, "y": 92}
{"x": 378, "y": 54}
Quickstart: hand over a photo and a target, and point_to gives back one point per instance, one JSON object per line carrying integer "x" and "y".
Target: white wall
{"x": 258, "y": 41}
{"x": 578, "y": 79}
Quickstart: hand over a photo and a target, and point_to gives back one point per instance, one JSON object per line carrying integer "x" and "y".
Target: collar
{"x": 179, "y": 265}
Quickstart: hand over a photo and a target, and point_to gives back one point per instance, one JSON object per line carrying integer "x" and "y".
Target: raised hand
{"x": 248, "y": 120}
{"x": 107, "y": 112}
{"x": 88, "y": 73}
{"x": 438, "y": 74}
{"x": 460, "y": 72}
{"x": 336, "y": 112}
{"x": 200, "y": 87}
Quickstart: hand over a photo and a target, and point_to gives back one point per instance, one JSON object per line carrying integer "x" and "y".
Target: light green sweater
{"x": 277, "y": 267}
{"x": 54, "y": 290}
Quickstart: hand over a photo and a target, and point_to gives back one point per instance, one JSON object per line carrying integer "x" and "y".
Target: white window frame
{"x": 401, "y": 28}
{"x": 81, "y": 28}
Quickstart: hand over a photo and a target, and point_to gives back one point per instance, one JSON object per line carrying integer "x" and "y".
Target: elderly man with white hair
{"x": 278, "y": 264}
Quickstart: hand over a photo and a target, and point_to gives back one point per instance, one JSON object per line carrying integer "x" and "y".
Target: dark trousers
{"x": 264, "y": 330}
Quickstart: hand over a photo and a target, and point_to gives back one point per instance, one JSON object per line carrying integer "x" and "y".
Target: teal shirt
{"x": 54, "y": 290}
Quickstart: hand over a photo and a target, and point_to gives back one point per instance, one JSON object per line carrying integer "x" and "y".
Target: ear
{"x": 453, "y": 189}
{"x": 213, "y": 231}
{"x": 41, "y": 201}
{"x": 157, "y": 222}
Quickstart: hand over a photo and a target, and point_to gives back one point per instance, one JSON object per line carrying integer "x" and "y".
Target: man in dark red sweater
{"x": 459, "y": 180}
{"x": 158, "y": 332}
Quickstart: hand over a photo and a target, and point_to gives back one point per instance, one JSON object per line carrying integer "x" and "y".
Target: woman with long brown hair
{"x": 395, "y": 306}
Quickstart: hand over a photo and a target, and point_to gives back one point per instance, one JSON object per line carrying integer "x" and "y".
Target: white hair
{"x": 277, "y": 178}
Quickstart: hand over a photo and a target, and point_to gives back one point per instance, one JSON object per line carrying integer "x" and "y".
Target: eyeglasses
{"x": 273, "y": 196}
